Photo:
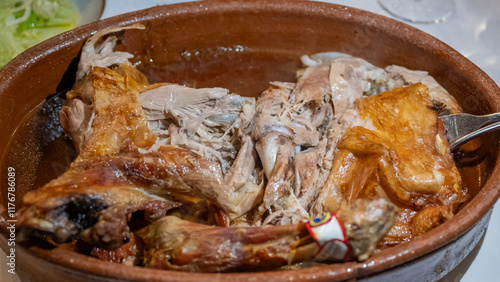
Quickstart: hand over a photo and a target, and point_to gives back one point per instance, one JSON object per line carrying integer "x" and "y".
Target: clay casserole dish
{"x": 242, "y": 45}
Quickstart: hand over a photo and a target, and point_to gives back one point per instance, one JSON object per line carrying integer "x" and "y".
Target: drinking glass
{"x": 419, "y": 11}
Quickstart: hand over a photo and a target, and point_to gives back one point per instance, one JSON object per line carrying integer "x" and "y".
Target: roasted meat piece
{"x": 399, "y": 152}
{"x": 172, "y": 243}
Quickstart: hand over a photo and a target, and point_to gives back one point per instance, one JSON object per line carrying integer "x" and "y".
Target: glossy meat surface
{"x": 402, "y": 156}
{"x": 172, "y": 243}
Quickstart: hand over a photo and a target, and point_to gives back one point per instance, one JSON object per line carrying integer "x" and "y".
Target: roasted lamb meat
{"x": 108, "y": 180}
{"x": 172, "y": 243}
{"x": 398, "y": 152}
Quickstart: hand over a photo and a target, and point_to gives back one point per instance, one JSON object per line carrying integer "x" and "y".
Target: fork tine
{"x": 460, "y": 141}
{"x": 463, "y": 127}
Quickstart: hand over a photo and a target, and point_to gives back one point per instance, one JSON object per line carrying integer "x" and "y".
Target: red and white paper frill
{"x": 330, "y": 236}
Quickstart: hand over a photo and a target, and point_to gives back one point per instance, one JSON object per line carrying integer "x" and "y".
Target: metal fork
{"x": 461, "y": 128}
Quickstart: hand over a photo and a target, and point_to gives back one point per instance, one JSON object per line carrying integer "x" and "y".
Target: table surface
{"x": 474, "y": 30}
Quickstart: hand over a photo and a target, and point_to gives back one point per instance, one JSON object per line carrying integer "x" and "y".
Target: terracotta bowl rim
{"x": 386, "y": 259}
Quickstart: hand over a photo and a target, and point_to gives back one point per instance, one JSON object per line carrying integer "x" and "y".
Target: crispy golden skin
{"x": 401, "y": 153}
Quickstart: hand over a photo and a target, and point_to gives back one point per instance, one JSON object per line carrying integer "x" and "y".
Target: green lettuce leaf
{"x": 25, "y": 23}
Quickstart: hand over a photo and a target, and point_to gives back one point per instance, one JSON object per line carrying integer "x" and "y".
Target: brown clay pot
{"x": 242, "y": 45}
